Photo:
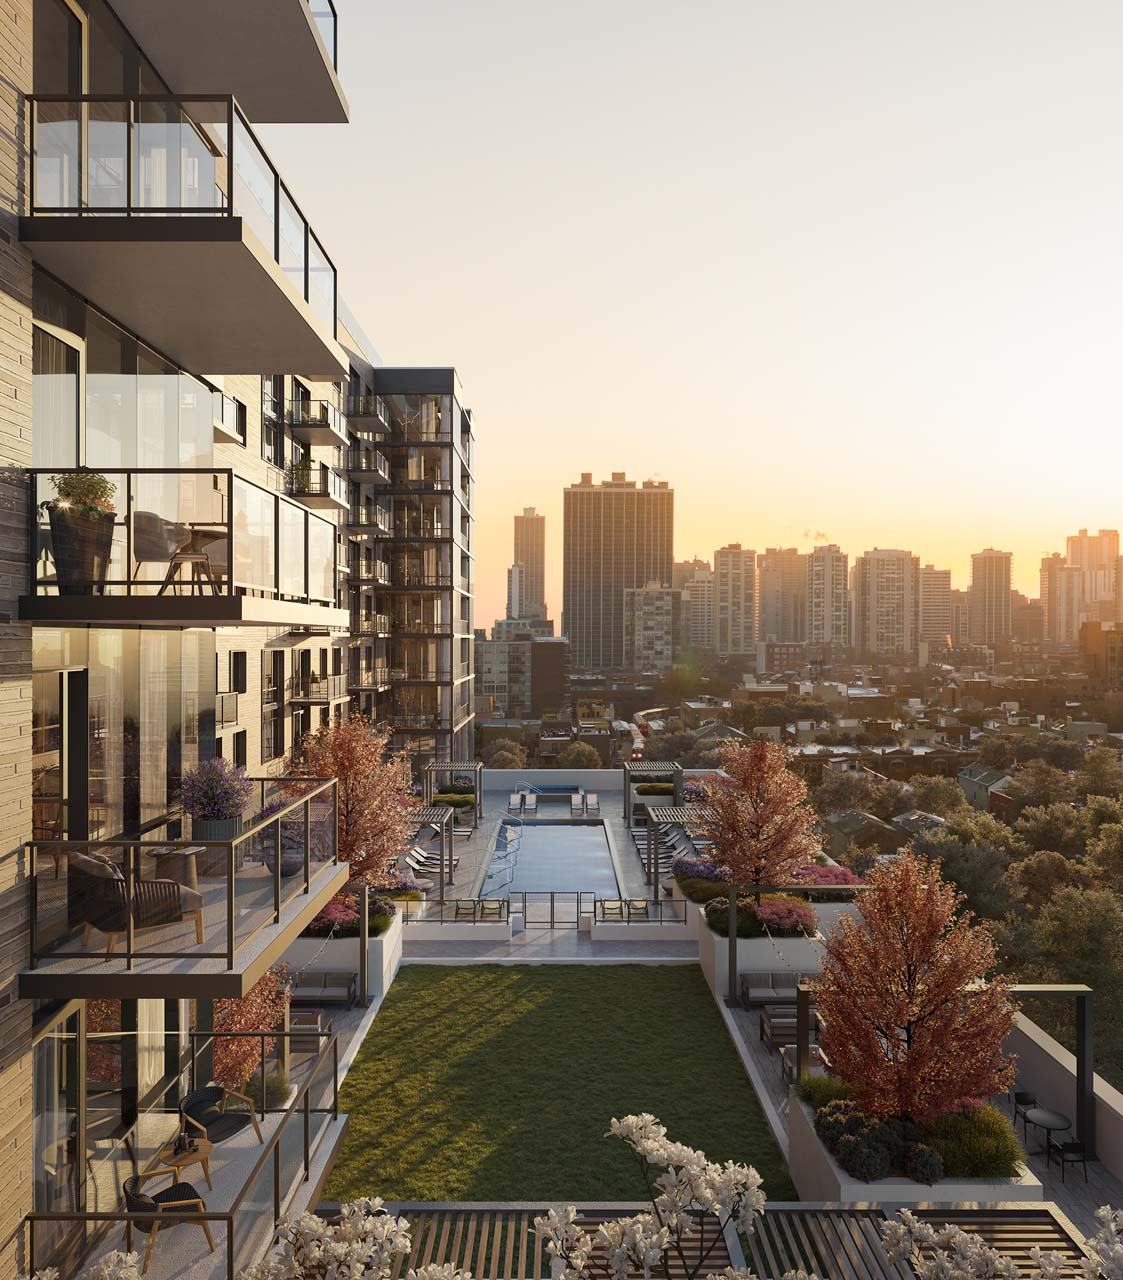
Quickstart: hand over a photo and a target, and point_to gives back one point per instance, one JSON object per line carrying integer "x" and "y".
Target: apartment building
{"x": 185, "y": 404}
{"x": 934, "y": 620}
{"x": 989, "y": 603}
{"x": 1062, "y": 599}
{"x": 734, "y": 596}
{"x": 827, "y": 612}
{"x": 521, "y": 677}
{"x": 653, "y": 627}
{"x": 409, "y": 526}
{"x": 616, "y": 535}
{"x": 698, "y": 607}
{"x": 530, "y": 560}
{"x": 782, "y": 595}
{"x": 886, "y": 602}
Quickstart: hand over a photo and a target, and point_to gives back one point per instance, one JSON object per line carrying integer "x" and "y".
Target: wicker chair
{"x": 97, "y": 898}
{"x": 205, "y": 1110}
{"x": 180, "y": 1197}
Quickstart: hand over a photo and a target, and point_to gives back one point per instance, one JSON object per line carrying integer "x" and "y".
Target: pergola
{"x": 650, "y": 771}
{"x": 1085, "y": 1046}
{"x": 438, "y": 769}
{"x": 669, "y": 815}
{"x": 439, "y": 817}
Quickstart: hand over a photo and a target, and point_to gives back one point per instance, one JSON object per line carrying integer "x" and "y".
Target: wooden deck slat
{"x": 515, "y": 1229}
{"x": 454, "y": 1252}
{"x": 527, "y": 1227}
{"x": 469, "y": 1239}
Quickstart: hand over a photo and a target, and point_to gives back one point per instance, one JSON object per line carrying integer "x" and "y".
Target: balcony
{"x": 255, "y": 1183}
{"x": 317, "y": 486}
{"x": 203, "y": 918}
{"x": 368, "y": 463}
{"x": 225, "y": 710}
{"x": 420, "y": 675}
{"x": 167, "y": 213}
{"x": 366, "y": 571}
{"x": 279, "y": 56}
{"x": 313, "y": 421}
{"x": 370, "y": 624}
{"x": 229, "y": 420}
{"x": 369, "y": 519}
{"x": 185, "y": 547}
{"x": 416, "y": 624}
{"x": 367, "y": 412}
{"x": 369, "y": 679}
{"x": 411, "y": 579}
{"x": 313, "y": 690}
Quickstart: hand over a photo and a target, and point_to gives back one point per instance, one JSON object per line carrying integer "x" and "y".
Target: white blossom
{"x": 365, "y": 1243}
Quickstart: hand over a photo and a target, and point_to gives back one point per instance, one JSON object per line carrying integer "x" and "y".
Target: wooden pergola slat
{"x": 440, "y": 817}
{"x": 436, "y": 768}
{"x": 648, "y": 771}
{"x": 669, "y": 815}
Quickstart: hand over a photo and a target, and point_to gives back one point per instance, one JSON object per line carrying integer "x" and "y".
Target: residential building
{"x": 176, "y": 582}
{"x": 685, "y": 571}
{"x": 886, "y": 602}
{"x": 1097, "y": 557}
{"x": 958, "y": 614}
{"x": 698, "y": 607}
{"x": 1027, "y": 619}
{"x": 988, "y": 619}
{"x": 782, "y": 594}
{"x": 1102, "y": 644}
{"x": 934, "y": 617}
{"x": 780, "y": 655}
{"x": 1062, "y": 599}
{"x": 510, "y": 628}
{"x": 516, "y": 584}
{"x": 827, "y": 611}
{"x": 734, "y": 596}
{"x": 653, "y": 628}
{"x": 410, "y": 531}
{"x": 522, "y": 678}
{"x": 616, "y": 535}
{"x": 530, "y": 556}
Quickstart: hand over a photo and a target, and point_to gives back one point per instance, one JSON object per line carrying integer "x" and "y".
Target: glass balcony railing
{"x": 369, "y": 462}
{"x": 369, "y": 677}
{"x": 157, "y": 155}
{"x": 369, "y": 412}
{"x": 229, "y": 418}
{"x": 419, "y": 624}
{"x": 188, "y": 531}
{"x": 255, "y": 1183}
{"x": 371, "y": 624}
{"x": 317, "y": 688}
{"x": 316, "y": 480}
{"x": 327, "y": 23}
{"x": 202, "y": 899}
{"x": 375, "y": 519}
{"x": 314, "y": 421}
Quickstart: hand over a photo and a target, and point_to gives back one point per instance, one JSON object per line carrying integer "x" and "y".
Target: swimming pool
{"x": 544, "y": 857}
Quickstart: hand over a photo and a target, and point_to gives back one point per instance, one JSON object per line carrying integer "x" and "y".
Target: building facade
{"x": 1062, "y": 600}
{"x": 828, "y": 614}
{"x": 989, "y": 603}
{"x": 653, "y": 628}
{"x": 734, "y": 596}
{"x": 698, "y": 607}
{"x": 782, "y": 595}
{"x": 886, "y": 603}
{"x": 934, "y": 618}
{"x": 617, "y": 535}
{"x": 530, "y": 557}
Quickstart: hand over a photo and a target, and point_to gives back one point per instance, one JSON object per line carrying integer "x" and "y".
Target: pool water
{"x": 542, "y": 857}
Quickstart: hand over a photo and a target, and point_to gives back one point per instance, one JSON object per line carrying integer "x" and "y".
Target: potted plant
{"x": 299, "y": 475}
{"x": 81, "y": 518}
{"x": 214, "y": 794}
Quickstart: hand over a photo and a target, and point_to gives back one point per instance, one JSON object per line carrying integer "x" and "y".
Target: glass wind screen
{"x": 253, "y": 537}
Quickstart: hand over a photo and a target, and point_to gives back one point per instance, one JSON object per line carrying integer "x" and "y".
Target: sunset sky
{"x": 846, "y": 272}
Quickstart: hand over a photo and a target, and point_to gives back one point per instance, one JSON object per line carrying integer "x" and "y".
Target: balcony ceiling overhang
{"x": 178, "y": 611}
{"x": 89, "y": 977}
{"x": 201, "y": 290}
{"x": 268, "y": 53}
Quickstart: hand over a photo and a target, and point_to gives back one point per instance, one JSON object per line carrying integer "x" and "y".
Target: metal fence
{"x": 557, "y": 909}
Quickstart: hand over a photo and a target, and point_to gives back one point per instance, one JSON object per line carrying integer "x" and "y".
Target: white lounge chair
{"x": 530, "y": 803}
{"x": 592, "y": 802}
{"x": 576, "y": 806}
{"x": 515, "y": 804}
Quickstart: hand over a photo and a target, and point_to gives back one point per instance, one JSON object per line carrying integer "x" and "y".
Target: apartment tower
{"x": 782, "y": 595}
{"x": 934, "y": 617}
{"x": 616, "y": 535}
{"x": 735, "y": 631}
{"x": 988, "y": 619}
{"x": 886, "y": 603}
{"x": 828, "y": 620}
{"x": 530, "y": 557}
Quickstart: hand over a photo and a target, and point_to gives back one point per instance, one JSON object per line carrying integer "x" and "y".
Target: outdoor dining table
{"x": 1050, "y": 1121}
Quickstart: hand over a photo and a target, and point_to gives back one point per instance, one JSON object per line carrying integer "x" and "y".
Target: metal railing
{"x": 369, "y": 462}
{"x": 369, "y": 677}
{"x": 200, "y": 531}
{"x": 246, "y": 1229}
{"x": 307, "y": 416}
{"x": 316, "y": 480}
{"x": 374, "y": 624}
{"x": 155, "y": 155}
{"x": 359, "y": 407}
{"x": 229, "y": 415}
{"x": 148, "y": 894}
{"x": 318, "y": 688}
{"x": 547, "y": 910}
{"x": 327, "y": 23}
{"x": 457, "y": 911}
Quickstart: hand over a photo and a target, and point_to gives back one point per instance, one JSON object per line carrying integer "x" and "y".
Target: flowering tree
{"x": 910, "y": 1019}
{"x": 262, "y": 1008}
{"x": 376, "y": 807}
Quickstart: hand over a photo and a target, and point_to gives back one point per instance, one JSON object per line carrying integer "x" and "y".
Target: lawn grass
{"x": 491, "y": 1082}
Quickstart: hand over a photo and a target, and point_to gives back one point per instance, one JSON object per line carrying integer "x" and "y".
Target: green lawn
{"x": 490, "y": 1082}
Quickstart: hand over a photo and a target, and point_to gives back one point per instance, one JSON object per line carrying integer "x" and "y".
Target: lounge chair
{"x": 179, "y": 1198}
{"x": 592, "y": 802}
{"x": 430, "y": 861}
{"x": 576, "y": 806}
{"x": 464, "y": 907}
{"x": 530, "y": 803}
{"x": 491, "y": 908}
{"x": 203, "y": 1111}
{"x": 515, "y": 804}
{"x": 612, "y": 909}
{"x": 638, "y": 908}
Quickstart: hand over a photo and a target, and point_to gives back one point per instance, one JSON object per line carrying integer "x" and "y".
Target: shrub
{"x": 694, "y": 867}
{"x": 215, "y": 790}
{"x": 400, "y": 886}
{"x": 88, "y": 492}
{"x": 702, "y": 891}
{"x": 980, "y": 1143}
{"x": 923, "y": 1163}
{"x": 339, "y": 919}
{"x": 819, "y": 874}
{"x": 862, "y": 1157}
{"x": 276, "y": 1090}
{"x": 456, "y": 799}
{"x": 748, "y": 922}
{"x": 818, "y": 1091}
{"x": 381, "y": 911}
{"x": 835, "y": 1119}
{"x": 786, "y": 917}
{"x": 692, "y": 792}
{"x": 655, "y": 789}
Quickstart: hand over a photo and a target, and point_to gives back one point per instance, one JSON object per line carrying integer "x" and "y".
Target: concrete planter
{"x": 767, "y": 955}
{"x": 384, "y": 955}
{"x": 434, "y": 931}
{"x": 817, "y": 1176}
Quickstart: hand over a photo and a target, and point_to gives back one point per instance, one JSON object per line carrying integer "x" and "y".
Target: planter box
{"x": 640, "y": 932}
{"x": 817, "y": 1176}
{"x": 434, "y": 931}
{"x": 800, "y": 955}
{"x": 384, "y": 955}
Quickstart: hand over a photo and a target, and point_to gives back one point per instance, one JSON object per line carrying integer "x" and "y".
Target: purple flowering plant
{"x": 215, "y": 790}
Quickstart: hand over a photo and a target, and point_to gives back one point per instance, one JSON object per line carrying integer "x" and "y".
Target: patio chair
{"x": 612, "y": 909}
{"x": 97, "y": 898}
{"x": 491, "y": 908}
{"x": 424, "y": 860}
{"x": 530, "y": 803}
{"x": 205, "y": 1110}
{"x": 576, "y": 805}
{"x": 638, "y": 908}
{"x": 515, "y": 803}
{"x": 180, "y": 1197}
{"x": 592, "y": 802}
{"x": 1023, "y": 1101}
{"x": 160, "y": 541}
{"x": 465, "y": 907}
{"x": 1066, "y": 1153}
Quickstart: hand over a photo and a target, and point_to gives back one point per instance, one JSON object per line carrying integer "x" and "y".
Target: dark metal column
{"x": 204, "y": 1025}
{"x": 731, "y": 998}
{"x": 802, "y": 1031}
{"x": 1085, "y": 1080}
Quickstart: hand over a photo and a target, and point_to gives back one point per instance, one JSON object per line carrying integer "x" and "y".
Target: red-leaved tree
{"x": 757, "y": 815}
{"x": 376, "y": 807}
{"x": 911, "y": 1018}
{"x": 262, "y": 1008}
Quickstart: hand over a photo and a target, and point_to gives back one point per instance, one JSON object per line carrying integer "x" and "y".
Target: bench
{"x": 759, "y": 987}
{"x": 330, "y": 986}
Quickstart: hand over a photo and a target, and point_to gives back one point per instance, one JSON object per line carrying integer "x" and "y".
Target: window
{"x": 240, "y": 748}
{"x": 55, "y": 401}
{"x": 238, "y": 671}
